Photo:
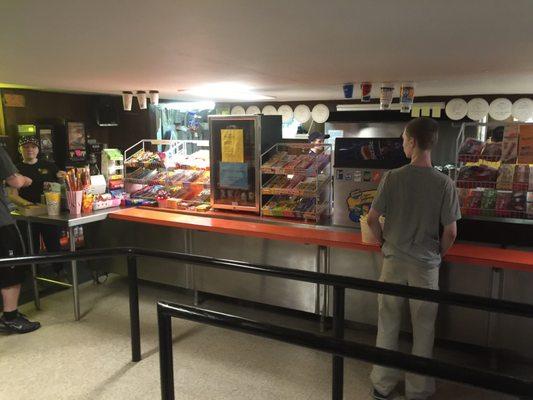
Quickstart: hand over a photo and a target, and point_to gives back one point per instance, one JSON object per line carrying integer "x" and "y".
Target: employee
{"x": 39, "y": 171}
{"x": 317, "y": 139}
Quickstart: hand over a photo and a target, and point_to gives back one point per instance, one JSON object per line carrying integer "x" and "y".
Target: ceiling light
{"x": 226, "y": 91}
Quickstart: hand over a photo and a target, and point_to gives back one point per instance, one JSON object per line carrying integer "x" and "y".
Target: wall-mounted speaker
{"x": 106, "y": 111}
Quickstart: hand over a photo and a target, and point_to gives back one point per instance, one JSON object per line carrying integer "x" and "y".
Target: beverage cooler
{"x": 359, "y": 165}
{"x": 237, "y": 143}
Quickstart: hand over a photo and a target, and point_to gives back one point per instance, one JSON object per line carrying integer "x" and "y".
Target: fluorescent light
{"x": 227, "y": 91}
{"x": 189, "y": 105}
{"x": 373, "y": 107}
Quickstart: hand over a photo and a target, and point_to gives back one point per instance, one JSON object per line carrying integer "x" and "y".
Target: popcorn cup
{"x": 53, "y": 201}
{"x": 74, "y": 199}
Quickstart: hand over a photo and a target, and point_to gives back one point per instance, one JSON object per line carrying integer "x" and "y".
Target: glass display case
{"x": 495, "y": 177}
{"x": 173, "y": 173}
{"x": 236, "y": 146}
{"x": 296, "y": 181}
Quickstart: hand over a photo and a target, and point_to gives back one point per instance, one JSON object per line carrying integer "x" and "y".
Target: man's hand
{"x": 448, "y": 237}
{"x": 61, "y": 175}
{"x": 375, "y": 226}
{"x": 18, "y": 181}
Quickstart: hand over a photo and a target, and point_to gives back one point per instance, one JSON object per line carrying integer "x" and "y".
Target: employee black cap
{"x": 316, "y": 135}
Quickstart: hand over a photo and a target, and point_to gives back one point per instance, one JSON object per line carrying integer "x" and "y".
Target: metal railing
{"x": 337, "y": 346}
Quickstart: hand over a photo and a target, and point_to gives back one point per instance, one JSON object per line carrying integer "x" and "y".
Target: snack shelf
{"x": 176, "y": 170}
{"x": 476, "y": 157}
{"x": 312, "y": 214}
{"x": 505, "y": 220}
{"x": 298, "y": 181}
{"x": 475, "y": 184}
{"x": 496, "y": 214}
{"x": 295, "y": 191}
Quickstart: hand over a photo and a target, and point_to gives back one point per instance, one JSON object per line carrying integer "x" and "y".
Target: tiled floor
{"x": 90, "y": 359}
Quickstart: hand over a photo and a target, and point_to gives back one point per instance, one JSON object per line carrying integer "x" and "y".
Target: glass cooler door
{"x": 235, "y": 154}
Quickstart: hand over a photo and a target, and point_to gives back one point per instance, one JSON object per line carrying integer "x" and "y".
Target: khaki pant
{"x": 423, "y": 316}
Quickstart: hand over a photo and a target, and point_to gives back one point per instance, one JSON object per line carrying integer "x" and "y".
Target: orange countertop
{"x": 460, "y": 253}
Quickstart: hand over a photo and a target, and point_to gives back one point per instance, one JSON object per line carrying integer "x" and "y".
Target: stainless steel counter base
{"x": 454, "y": 323}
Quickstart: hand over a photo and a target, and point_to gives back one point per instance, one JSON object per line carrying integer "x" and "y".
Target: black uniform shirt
{"x": 40, "y": 172}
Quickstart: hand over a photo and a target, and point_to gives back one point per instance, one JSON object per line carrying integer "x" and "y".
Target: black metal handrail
{"x": 335, "y": 346}
{"x": 339, "y": 283}
{"x": 368, "y": 285}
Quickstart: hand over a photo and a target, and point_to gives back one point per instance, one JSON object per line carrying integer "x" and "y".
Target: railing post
{"x": 166, "y": 366}
{"x": 338, "y": 332}
{"x": 134, "y": 309}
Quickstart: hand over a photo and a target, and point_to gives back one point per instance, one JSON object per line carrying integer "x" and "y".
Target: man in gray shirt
{"x": 416, "y": 201}
{"x": 11, "y": 278}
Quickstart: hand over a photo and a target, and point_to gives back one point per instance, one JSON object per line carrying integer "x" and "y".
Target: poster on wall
{"x": 76, "y": 141}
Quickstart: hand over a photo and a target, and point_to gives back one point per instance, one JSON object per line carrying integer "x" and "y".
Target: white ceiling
{"x": 289, "y": 49}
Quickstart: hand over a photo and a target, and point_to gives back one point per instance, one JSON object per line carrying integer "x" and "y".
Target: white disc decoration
{"x": 237, "y": 110}
{"x": 286, "y": 113}
{"x": 253, "y": 110}
{"x": 320, "y": 113}
{"x": 478, "y": 109}
{"x": 302, "y": 113}
{"x": 270, "y": 110}
{"x": 523, "y": 109}
{"x": 456, "y": 109}
{"x": 500, "y": 109}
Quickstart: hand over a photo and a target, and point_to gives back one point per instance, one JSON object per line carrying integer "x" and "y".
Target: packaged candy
{"x": 473, "y": 201}
{"x": 521, "y": 174}
{"x": 488, "y": 202}
{"x": 492, "y": 151}
{"x": 530, "y": 210}
{"x": 510, "y": 145}
{"x": 503, "y": 203}
{"x": 518, "y": 202}
{"x": 470, "y": 148}
{"x": 505, "y": 177}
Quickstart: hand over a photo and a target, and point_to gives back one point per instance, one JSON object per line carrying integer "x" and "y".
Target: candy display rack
{"x": 296, "y": 182}
{"x": 495, "y": 180}
{"x": 173, "y": 173}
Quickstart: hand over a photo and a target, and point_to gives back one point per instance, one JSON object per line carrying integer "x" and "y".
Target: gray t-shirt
{"x": 7, "y": 168}
{"x": 415, "y": 202}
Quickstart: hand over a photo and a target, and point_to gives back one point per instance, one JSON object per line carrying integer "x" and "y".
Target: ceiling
{"x": 288, "y": 49}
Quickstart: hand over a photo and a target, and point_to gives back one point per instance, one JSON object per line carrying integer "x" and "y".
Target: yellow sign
{"x": 232, "y": 145}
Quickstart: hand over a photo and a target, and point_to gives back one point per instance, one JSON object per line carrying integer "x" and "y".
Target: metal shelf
{"x": 499, "y": 219}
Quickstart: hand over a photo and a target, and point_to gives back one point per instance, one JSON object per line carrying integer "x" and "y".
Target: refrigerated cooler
{"x": 237, "y": 143}
{"x": 359, "y": 165}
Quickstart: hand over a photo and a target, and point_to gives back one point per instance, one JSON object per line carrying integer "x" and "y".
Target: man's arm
{"x": 375, "y": 226}
{"x": 14, "y": 197}
{"x": 18, "y": 181}
{"x": 448, "y": 237}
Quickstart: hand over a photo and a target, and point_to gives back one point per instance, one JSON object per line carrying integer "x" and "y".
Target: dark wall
{"x": 52, "y": 107}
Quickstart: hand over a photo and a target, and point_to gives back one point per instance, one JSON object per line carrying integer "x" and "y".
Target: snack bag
{"x": 87, "y": 203}
{"x": 510, "y": 144}
{"x": 518, "y": 202}
{"x": 505, "y": 177}
{"x": 488, "y": 202}
{"x": 492, "y": 150}
{"x": 470, "y": 149}
{"x": 503, "y": 203}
